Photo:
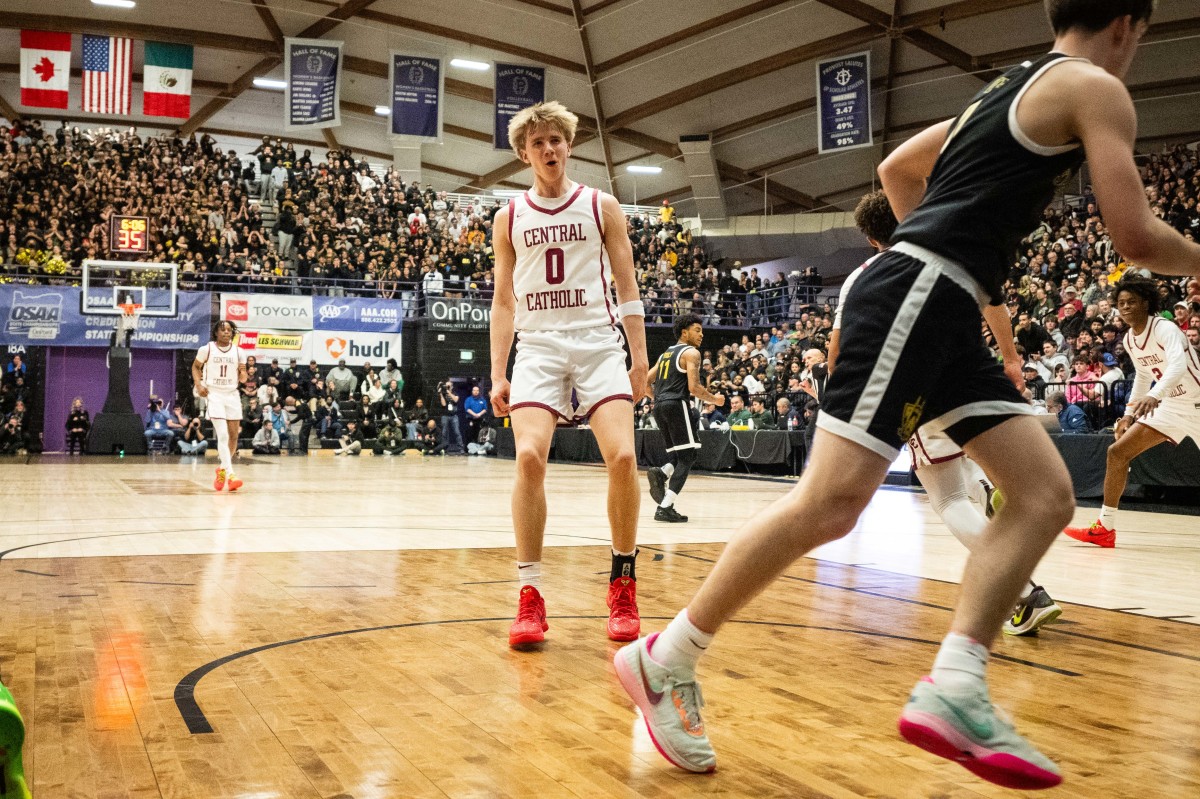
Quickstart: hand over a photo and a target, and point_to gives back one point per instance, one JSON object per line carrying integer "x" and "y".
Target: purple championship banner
{"x": 844, "y": 103}
{"x": 313, "y": 68}
{"x": 517, "y": 87}
{"x": 417, "y": 92}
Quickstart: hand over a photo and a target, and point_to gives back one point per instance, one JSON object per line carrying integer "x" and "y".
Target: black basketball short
{"x": 912, "y": 353}
{"x": 678, "y": 423}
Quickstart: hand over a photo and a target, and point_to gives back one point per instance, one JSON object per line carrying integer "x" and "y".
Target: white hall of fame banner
{"x": 313, "y": 70}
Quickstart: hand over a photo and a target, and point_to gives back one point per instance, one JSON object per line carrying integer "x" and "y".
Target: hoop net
{"x": 127, "y": 322}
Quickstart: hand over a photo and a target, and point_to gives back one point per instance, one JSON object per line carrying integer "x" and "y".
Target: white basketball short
{"x": 552, "y": 365}
{"x": 1176, "y": 419}
{"x": 928, "y": 448}
{"x": 224, "y": 405}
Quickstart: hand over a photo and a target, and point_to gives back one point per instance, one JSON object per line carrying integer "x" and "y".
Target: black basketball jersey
{"x": 671, "y": 379}
{"x": 991, "y": 182}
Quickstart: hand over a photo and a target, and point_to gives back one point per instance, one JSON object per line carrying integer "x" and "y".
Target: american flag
{"x": 107, "y": 74}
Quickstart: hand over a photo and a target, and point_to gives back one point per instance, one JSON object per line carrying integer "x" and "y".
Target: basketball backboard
{"x": 107, "y": 285}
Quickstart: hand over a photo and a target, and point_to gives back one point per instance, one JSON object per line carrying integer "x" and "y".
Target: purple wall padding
{"x": 83, "y": 372}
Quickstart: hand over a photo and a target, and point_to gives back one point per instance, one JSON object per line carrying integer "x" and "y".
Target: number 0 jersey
{"x": 561, "y": 277}
{"x": 221, "y": 366}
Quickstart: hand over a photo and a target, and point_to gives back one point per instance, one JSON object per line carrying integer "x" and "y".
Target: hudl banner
{"x": 417, "y": 97}
{"x": 357, "y": 314}
{"x": 844, "y": 101}
{"x": 517, "y": 87}
{"x": 313, "y": 68}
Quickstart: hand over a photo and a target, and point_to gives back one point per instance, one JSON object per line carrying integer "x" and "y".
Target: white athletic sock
{"x": 530, "y": 573}
{"x": 222, "y": 431}
{"x": 1108, "y": 517}
{"x": 680, "y": 646}
{"x": 960, "y": 664}
{"x": 669, "y": 499}
{"x": 668, "y": 469}
{"x": 624, "y": 554}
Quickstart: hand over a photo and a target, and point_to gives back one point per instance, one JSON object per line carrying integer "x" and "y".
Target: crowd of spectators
{"x": 15, "y": 383}
{"x": 339, "y": 226}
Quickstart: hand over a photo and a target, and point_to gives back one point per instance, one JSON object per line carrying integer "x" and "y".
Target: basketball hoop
{"x": 126, "y": 323}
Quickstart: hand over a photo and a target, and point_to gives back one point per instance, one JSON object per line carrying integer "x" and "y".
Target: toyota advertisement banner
{"x": 278, "y": 311}
{"x": 359, "y": 330}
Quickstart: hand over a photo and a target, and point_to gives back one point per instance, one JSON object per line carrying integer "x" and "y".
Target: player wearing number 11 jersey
{"x": 219, "y": 368}
{"x": 557, "y": 247}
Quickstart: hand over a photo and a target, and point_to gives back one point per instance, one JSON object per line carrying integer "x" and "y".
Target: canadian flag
{"x": 45, "y": 69}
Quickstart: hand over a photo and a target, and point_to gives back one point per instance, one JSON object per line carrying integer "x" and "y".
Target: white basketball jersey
{"x": 561, "y": 277}
{"x": 221, "y": 366}
{"x": 1162, "y": 354}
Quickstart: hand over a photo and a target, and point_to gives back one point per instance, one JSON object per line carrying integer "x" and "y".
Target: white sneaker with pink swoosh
{"x": 670, "y": 706}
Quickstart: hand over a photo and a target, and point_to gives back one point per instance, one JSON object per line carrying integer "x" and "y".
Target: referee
{"x": 672, "y": 382}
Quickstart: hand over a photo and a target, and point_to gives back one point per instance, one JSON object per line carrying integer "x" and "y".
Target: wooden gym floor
{"x": 338, "y": 629}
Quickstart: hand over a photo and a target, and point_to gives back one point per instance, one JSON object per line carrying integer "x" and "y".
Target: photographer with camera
{"x": 452, "y": 439}
{"x": 158, "y": 423}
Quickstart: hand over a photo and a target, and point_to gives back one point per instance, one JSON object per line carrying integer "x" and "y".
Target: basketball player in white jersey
{"x": 219, "y": 368}
{"x": 557, "y": 246}
{"x": 956, "y": 486}
{"x": 1168, "y": 410}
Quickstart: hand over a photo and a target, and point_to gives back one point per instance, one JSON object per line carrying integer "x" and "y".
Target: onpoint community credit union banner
{"x": 517, "y": 87}
{"x": 844, "y": 103}
{"x": 460, "y": 315}
{"x": 51, "y": 316}
{"x": 313, "y": 71}
{"x": 277, "y": 311}
{"x": 358, "y": 314}
{"x": 356, "y": 348}
{"x": 266, "y": 345}
{"x": 417, "y": 97}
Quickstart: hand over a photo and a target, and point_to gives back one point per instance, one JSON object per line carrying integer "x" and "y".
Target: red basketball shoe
{"x": 219, "y": 483}
{"x": 530, "y": 625}
{"x": 624, "y": 623}
{"x": 1097, "y": 534}
{"x": 233, "y": 483}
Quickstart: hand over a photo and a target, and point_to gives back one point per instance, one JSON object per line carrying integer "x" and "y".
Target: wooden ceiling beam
{"x": 268, "y": 19}
{"x": 585, "y": 42}
{"x": 965, "y": 9}
{"x": 8, "y": 111}
{"x": 547, "y": 6}
{"x": 736, "y": 75}
{"x": 658, "y": 45}
{"x": 154, "y": 33}
{"x": 457, "y": 35}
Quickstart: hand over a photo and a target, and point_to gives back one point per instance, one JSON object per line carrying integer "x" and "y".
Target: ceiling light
{"x": 478, "y": 66}
{"x": 115, "y": 3}
{"x": 644, "y": 170}
{"x": 270, "y": 83}
{"x": 383, "y": 110}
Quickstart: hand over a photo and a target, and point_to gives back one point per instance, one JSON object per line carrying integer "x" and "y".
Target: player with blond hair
{"x": 557, "y": 247}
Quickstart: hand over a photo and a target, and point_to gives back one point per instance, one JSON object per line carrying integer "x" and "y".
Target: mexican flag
{"x": 167, "y": 80}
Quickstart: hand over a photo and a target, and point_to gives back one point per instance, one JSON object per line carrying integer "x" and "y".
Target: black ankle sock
{"x": 623, "y": 566}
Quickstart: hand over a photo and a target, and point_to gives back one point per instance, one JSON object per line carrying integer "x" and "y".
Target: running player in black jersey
{"x": 673, "y": 381}
{"x": 966, "y": 192}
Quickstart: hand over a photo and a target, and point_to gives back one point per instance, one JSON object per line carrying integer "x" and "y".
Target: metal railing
{"x": 1102, "y": 402}
{"x": 759, "y": 309}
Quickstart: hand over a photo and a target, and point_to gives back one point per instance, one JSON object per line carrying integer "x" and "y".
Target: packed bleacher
{"x": 276, "y": 220}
